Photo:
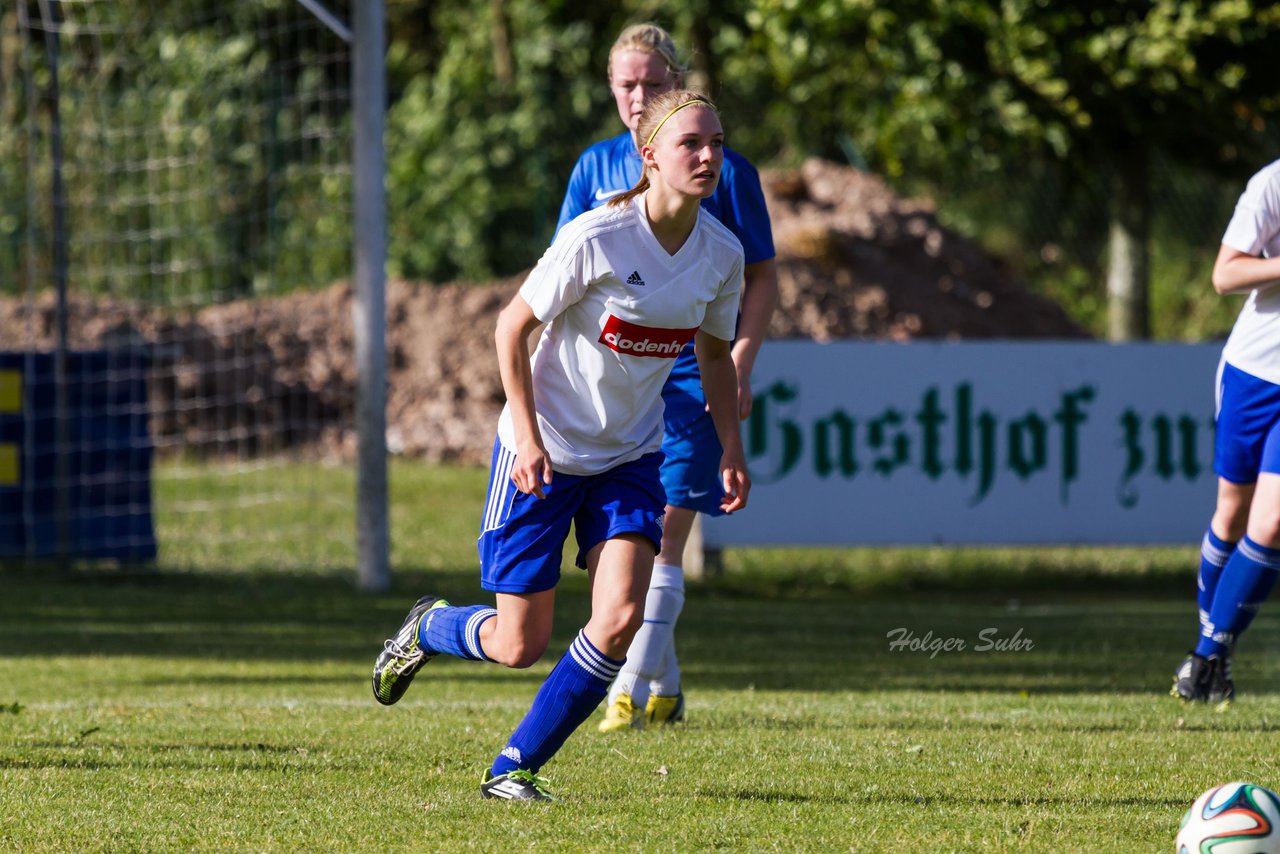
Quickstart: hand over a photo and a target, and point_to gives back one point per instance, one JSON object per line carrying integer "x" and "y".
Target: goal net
{"x": 176, "y": 381}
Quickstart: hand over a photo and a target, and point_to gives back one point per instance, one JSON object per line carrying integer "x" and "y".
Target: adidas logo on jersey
{"x": 634, "y": 279}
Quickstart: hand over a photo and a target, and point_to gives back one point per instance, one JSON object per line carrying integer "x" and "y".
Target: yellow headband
{"x": 649, "y": 141}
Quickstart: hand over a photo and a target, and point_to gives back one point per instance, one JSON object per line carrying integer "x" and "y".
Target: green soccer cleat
{"x": 517, "y": 785}
{"x": 402, "y": 656}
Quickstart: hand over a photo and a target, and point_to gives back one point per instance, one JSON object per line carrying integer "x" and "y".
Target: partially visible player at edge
{"x": 644, "y": 62}
{"x": 621, "y": 290}
{"x": 1240, "y": 552}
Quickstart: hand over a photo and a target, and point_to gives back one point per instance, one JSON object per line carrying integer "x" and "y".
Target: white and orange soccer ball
{"x": 1238, "y": 818}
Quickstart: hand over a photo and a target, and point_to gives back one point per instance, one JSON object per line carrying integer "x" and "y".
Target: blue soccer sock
{"x": 571, "y": 693}
{"x": 456, "y": 630}
{"x": 1214, "y": 553}
{"x": 1244, "y": 585}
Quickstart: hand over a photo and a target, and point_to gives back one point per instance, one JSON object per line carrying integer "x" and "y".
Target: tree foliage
{"x": 1087, "y": 95}
{"x": 474, "y": 140}
{"x": 491, "y": 101}
{"x": 927, "y": 83}
{"x": 481, "y": 145}
{"x": 197, "y": 148}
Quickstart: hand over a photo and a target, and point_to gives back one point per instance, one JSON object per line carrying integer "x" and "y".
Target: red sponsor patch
{"x": 644, "y": 340}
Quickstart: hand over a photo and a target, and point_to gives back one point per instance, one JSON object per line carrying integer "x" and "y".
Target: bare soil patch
{"x": 269, "y": 375}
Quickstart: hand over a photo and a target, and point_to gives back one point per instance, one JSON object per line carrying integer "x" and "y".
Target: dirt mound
{"x": 263, "y": 376}
{"x": 857, "y": 261}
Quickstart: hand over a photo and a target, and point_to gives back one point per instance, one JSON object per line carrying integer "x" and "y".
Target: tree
{"x": 488, "y": 114}
{"x": 191, "y": 141}
{"x": 1100, "y": 85}
{"x": 491, "y": 104}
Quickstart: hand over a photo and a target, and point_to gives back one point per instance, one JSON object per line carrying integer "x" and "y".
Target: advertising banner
{"x": 977, "y": 443}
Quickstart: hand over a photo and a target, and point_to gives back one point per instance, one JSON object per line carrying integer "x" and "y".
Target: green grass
{"x": 213, "y": 709}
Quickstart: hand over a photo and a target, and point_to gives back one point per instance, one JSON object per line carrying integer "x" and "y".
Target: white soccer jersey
{"x": 1254, "y": 345}
{"x": 618, "y": 310}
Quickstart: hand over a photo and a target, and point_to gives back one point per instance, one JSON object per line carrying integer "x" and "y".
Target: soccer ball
{"x": 1238, "y": 818}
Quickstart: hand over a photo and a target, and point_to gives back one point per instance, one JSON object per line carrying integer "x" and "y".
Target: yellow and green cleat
{"x": 517, "y": 785}
{"x": 402, "y": 656}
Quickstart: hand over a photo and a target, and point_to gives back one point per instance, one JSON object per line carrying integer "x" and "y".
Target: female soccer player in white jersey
{"x": 1240, "y": 553}
{"x": 621, "y": 291}
{"x": 644, "y": 62}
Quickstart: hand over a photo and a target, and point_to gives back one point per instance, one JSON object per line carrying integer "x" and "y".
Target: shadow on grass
{"x": 924, "y": 724}
{"x": 1081, "y": 634}
{"x": 141, "y": 758}
{"x": 876, "y": 798}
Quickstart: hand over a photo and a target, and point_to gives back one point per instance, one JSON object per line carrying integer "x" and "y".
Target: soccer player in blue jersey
{"x": 644, "y": 62}
{"x": 621, "y": 291}
{"x": 1240, "y": 552}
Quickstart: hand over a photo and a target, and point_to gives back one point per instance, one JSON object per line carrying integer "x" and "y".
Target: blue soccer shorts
{"x": 690, "y": 446}
{"x": 522, "y": 536}
{"x": 1248, "y": 436}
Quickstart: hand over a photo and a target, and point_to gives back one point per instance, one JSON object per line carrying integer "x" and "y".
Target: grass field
{"x": 228, "y": 708}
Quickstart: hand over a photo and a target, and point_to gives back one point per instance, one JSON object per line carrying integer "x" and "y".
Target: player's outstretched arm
{"x": 532, "y": 469}
{"x": 720, "y": 384}
{"x": 1235, "y": 271}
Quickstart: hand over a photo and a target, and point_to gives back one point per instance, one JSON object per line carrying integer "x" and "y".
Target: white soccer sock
{"x": 668, "y": 684}
{"x": 647, "y": 657}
